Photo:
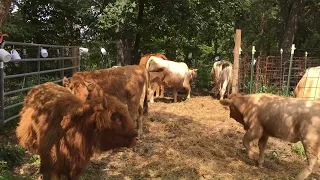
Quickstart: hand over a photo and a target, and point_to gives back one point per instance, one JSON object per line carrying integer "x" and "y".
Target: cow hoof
{"x": 259, "y": 164}
{"x": 253, "y": 156}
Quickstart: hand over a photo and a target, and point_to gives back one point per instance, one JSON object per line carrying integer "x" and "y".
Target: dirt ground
{"x": 191, "y": 139}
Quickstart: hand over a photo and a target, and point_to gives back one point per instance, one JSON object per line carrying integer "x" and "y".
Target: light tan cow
{"x": 286, "y": 118}
{"x": 143, "y": 62}
{"x": 175, "y": 75}
{"x": 221, "y": 74}
{"x": 309, "y": 85}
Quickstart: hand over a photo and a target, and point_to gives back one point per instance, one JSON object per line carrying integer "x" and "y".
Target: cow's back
{"x": 309, "y": 85}
{"x": 274, "y": 113}
{"x": 176, "y": 74}
{"x": 144, "y": 59}
{"x": 226, "y": 74}
{"x": 121, "y": 82}
{"x": 37, "y": 104}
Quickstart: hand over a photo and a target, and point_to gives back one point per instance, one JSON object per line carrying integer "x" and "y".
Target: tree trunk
{"x": 135, "y": 51}
{"x": 120, "y": 53}
{"x": 124, "y": 48}
{"x": 4, "y": 10}
{"x": 291, "y": 26}
{"x": 128, "y": 51}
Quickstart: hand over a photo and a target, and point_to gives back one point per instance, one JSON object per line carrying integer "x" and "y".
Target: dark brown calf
{"x": 65, "y": 131}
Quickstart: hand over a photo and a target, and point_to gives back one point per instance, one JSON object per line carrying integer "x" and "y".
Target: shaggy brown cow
{"x": 143, "y": 62}
{"x": 221, "y": 74}
{"x": 128, "y": 83}
{"x": 287, "y": 118}
{"x": 66, "y": 131}
{"x": 309, "y": 85}
{"x": 175, "y": 75}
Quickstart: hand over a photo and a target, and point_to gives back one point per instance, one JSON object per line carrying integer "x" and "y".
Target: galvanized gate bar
{"x": 40, "y": 72}
{"x": 42, "y": 59}
{"x": 34, "y": 45}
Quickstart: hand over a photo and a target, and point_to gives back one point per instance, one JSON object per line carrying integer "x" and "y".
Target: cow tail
{"x": 145, "y": 101}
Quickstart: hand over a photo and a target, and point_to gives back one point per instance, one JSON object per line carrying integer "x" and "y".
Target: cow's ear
{"x": 65, "y": 82}
{"x": 102, "y": 120}
{"x": 105, "y": 103}
{"x": 225, "y": 102}
{"x": 195, "y": 70}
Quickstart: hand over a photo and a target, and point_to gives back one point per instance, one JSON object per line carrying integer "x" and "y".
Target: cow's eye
{"x": 115, "y": 117}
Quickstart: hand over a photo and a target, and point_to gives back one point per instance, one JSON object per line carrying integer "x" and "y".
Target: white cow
{"x": 175, "y": 75}
{"x": 221, "y": 74}
{"x": 309, "y": 85}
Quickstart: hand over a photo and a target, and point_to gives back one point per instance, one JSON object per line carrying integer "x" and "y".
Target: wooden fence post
{"x": 235, "y": 80}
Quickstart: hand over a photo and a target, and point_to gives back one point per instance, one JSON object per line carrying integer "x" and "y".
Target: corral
{"x": 192, "y": 139}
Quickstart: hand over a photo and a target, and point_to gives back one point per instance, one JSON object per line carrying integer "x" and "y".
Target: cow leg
{"x": 139, "y": 121}
{"x": 251, "y": 134}
{"x": 223, "y": 89}
{"x": 158, "y": 91}
{"x": 262, "y": 146}
{"x": 175, "y": 94}
{"x": 151, "y": 94}
{"x": 229, "y": 90}
{"x": 188, "y": 88}
{"x": 162, "y": 91}
{"x": 311, "y": 148}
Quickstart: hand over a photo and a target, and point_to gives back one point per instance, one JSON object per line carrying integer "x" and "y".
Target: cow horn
{"x": 105, "y": 103}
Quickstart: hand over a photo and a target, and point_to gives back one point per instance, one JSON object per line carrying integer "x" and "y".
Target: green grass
{"x": 298, "y": 148}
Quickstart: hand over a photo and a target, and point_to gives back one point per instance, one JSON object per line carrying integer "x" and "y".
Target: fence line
{"x": 271, "y": 73}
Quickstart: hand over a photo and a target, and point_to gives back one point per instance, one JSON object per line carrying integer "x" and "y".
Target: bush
{"x": 10, "y": 156}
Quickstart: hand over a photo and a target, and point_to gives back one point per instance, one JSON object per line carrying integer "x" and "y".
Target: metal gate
{"x": 30, "y": 65}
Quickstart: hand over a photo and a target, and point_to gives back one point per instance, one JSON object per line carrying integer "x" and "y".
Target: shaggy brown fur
{"x": 65, "y": 131}
{"x": 128, "y": 83}
{"x": 286, "y": 118}
{"x": 143, "y": 62}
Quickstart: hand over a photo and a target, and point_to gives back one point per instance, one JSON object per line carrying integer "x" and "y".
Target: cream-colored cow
{"x": 175, "y": 75}
{"x": 309, "y": 85}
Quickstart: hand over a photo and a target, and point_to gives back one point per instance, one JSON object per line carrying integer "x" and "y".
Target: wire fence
{"x": 273, "y": 74}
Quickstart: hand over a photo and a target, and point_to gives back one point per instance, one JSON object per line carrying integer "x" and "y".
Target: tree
{"x": 291, "y": 25}
{"x": 4, "y": 10}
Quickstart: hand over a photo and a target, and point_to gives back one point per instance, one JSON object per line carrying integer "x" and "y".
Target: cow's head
{"x": 112, "y": 124}
{"x": 84, "y": 90}
{"x": 236, "y": 105}
{"x": 193, "y": 72}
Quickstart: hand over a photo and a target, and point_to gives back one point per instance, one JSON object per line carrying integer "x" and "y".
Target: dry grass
{"x": 192, "y": 139}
